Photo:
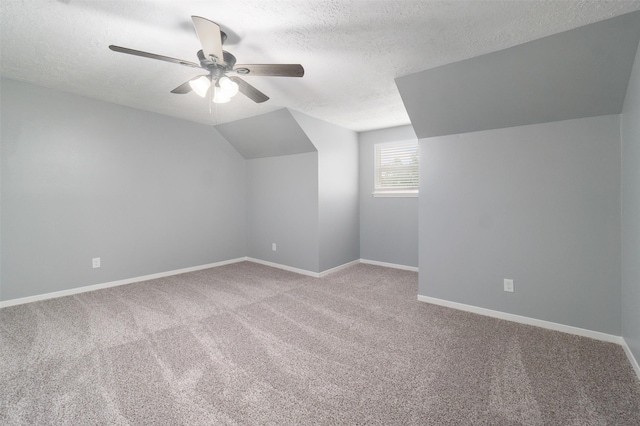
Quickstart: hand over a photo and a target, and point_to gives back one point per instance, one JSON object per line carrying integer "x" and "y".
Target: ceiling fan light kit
{"x": 219, "y": 63}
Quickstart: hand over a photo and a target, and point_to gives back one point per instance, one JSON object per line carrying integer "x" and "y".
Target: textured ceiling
{"x": 351, "y": 50}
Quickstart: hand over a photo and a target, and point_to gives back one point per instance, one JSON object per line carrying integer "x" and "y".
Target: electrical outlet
{"x": 273, "y": 246}
{"x": 508, "y": 285}
{"x": 95, "y": 262}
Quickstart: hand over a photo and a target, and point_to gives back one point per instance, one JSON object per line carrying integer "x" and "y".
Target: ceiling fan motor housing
{"x": 217, "y": 68}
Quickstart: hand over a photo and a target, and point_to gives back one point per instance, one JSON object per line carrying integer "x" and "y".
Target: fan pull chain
{"x": 210, "y": 98}
{"x": 215, "y": 106}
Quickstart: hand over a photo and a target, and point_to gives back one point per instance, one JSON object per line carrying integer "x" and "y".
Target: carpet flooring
{"x": 246, "y": 344}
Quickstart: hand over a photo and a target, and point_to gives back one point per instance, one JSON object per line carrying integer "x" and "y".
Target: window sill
{"x": 407, "y": 194}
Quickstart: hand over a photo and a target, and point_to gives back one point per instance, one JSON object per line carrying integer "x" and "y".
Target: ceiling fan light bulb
{"x": 228, "y": 87}
{"x": 234, "y": 89}
{"x": 200, "y": 85}
{"x": 224, "y": 81}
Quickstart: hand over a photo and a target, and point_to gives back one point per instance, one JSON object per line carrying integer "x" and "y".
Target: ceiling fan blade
{"x": 153, "y": 56}
{"x": 275, "y": 70}
{"x": 210, "y": 38}
{"x": 249, "y": 91}
{"x": 183, "y": 88}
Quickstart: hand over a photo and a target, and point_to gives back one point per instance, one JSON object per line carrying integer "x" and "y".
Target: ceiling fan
{"x": 222, "y": 81}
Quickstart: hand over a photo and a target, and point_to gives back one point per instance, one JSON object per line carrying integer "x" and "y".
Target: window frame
{"x": 379, "y": 191}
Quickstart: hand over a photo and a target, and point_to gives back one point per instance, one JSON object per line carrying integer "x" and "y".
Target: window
{"x": 396, "y": 169}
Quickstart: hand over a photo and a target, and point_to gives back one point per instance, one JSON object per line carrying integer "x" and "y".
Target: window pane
{"x": 396, "y": 166}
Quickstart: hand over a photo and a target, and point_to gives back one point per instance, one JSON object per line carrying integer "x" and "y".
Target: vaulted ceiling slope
{"x": 351, "y": 50}
{"x": 579, "y": 73}
{"x": 267, "y": 135}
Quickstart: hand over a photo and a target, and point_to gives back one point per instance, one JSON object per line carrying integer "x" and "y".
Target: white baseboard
{"x": 632, "y": 359}
{"x": 525, "y": 320}
{"x": 337, "y": 268}
{"x": 303, "y": 271}
{"x": 390, "y": 265}
{"x": 84, "y": 289}
{"x": 329, "y": 271}
{"x": 284, "y": 267}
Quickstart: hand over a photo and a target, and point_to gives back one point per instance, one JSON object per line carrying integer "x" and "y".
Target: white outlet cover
{"x": 273, "y": 246}
{"x": 95, "y": 262}
{"x": 508, "y": 285}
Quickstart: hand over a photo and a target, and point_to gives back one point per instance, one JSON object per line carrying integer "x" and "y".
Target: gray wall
{"x": 282, "y": 208}
{"x": 630, "y": 136}
{"x": 539, "y": 204}
{"x": 388, "y": 225}
{"x": 338, "y": 208}
{"x": 82, "y": 178}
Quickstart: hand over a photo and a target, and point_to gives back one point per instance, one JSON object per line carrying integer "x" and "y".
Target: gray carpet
{"x": 248, "y": 344}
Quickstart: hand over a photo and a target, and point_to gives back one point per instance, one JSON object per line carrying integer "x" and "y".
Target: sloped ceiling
{"x": 579, "y": 73}
{"x": 352, "y": 50}
{"x": 268, "y": 135}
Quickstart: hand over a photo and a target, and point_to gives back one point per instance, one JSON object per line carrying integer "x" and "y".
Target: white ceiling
{"x": 351, "y": 50}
